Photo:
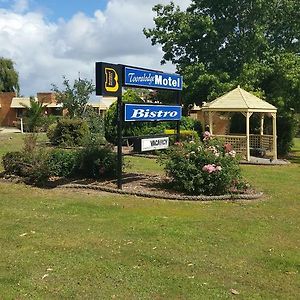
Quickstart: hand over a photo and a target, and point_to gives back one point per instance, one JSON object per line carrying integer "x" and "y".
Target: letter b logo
{"x": 111, "y": 80}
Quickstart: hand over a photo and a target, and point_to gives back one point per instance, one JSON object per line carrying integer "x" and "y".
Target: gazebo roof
{"x": 239, "y": 100}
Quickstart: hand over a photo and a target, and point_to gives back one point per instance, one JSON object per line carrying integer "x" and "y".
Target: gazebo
{"x": 238, "y": 100}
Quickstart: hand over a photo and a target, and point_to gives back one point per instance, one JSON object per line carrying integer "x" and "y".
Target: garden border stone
{"x": 234, "y": 197}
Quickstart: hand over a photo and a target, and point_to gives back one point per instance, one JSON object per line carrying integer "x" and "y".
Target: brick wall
{"x": 7, "y": 115}
{"x": 46, "y": 97}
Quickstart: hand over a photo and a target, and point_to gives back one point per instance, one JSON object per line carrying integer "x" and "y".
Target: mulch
{"x": 142, "y": 185}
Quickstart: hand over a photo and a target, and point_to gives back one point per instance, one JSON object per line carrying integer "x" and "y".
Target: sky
{"x": 51, "y": 39}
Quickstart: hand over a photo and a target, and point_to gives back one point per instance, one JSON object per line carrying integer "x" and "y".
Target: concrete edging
{"x": 166, "y": 197}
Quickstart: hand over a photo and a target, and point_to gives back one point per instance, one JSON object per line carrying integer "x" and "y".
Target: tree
{"x": 74, "y": 98}
{"x": 9, "y": 78}
{"x": 34, "y": 114}
{"x": 219, "y": 44}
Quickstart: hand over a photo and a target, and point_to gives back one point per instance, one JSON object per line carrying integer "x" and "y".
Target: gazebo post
{"x": 210, "y": 120}
{"x": 274, "y": 136}
{"x": 247, "y": 115}
{"x": 248, "y": 135}
{"x": 262, "y": 118}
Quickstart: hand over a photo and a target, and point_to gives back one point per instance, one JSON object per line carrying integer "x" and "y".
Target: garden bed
{"x": 152, "y": 186}
{"x": 142, "y": 185}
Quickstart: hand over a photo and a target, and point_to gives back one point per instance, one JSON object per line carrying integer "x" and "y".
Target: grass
{"x": 58, "y": 244}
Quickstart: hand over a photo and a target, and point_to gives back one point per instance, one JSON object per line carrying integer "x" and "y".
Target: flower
{"x": 214, "y": 150}
{"x": 206, "y": 136}
{"x": 211, "y": 168}
{"x": 227, "y": 147}
{"x": 231, "y": 153}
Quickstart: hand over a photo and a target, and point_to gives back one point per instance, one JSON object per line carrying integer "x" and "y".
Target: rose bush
{"x": 207, "y": 167}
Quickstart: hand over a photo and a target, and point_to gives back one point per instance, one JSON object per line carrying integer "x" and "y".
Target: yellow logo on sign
{"x": 111, "y": 80}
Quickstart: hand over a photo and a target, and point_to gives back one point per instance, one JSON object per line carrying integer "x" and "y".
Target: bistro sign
{"x": 144, "y": 112}
{"x": 151, "y": 79}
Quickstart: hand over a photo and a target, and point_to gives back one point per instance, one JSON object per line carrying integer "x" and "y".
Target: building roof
{"x": 102, "y": 103}
{"x": 20, "y": 102}
{"x": 239, "y": 100}
{"x": 53, "y": 105}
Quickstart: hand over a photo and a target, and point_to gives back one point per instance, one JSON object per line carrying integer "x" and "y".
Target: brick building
{"x": 12, "y": 108}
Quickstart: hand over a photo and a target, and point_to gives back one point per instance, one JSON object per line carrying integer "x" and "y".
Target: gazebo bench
{"x": 258, "y": 152}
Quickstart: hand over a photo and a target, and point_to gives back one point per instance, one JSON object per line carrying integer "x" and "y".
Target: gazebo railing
{"x": 261, "y": 141}
{"x": 239, "y": 142}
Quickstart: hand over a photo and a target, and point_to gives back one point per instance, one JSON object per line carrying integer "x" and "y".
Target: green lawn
{"x": 62, "y": 244}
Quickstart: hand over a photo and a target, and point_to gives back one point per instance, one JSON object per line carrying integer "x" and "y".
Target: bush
{"x": 13, "y": 162}
{"x": 95, "y": 124}
{"x": 97, "y": 161}
{"x": 33, "y": 166}
{"x": 68, "y": 132}
{"x": 286, "y": 131}
{"x": 202, "y": 168}
{"x": 63, "y": 163}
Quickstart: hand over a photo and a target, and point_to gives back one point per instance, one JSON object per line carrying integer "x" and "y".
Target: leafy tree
{"x": 34, "y": 114}
{"x": 9, "y": 78}
{"x": 217, "y": 45}
{"x": 74, "y": 98}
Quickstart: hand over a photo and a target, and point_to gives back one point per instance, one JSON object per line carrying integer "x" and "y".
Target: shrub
{"x": 63, "y": 163}
{"x": 13, "y": 162}
{"x": 97, "y": 161}
{"x": 68, "y": 132}
{"x": 36, "y": 170}
{"x": 202, "y": 168}
{"x": 33, "y": 166}
{"x": 95, "y": 124}
{"x": 286, "y": 131}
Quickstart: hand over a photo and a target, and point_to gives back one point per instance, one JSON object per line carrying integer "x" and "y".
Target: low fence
{"x": 239, "y": 142}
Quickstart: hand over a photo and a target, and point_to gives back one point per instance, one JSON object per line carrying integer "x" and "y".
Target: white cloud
{"x": 45, "y": 51}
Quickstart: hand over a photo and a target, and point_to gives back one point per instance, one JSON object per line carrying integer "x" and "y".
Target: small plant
{"x": 206, "y": 168}
{"x": 63, "y": 163}
{"x": 97, "y": 161}
{"x": 68, "y": 132}
{"x": 33, "y": 166}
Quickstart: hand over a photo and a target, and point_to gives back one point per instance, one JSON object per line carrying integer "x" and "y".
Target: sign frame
{"x": 161, "y": 110}
{"x": 151, "y": 79}
{"x": 108, "y": 79}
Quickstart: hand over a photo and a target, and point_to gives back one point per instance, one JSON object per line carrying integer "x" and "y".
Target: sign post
{"x": 110, "y": 78}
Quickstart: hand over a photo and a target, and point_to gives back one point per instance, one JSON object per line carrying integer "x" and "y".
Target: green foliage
{"x": 286, "y": 130}
{"x": 95, "y": 123}
{"x": 62, "y": 162}
{"x": 33, "y": 166}
{"x": 97, "y": 161}
{"x": 68, "y": 132}
{"x": 13, "y": 162}
{"x": 202, "y": 168}
{"x": 34, "y": 115}
{"x": 74, "y": 98}
{"x": 9, "y": 78}
{"x": 48, "y": 120}
{"x": 217, "y": 45}
{"x": 129, "y": 128}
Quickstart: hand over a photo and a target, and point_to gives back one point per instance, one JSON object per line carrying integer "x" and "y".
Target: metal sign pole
{"x": 119, "y": 135}
{"x": 178, "y": 122}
